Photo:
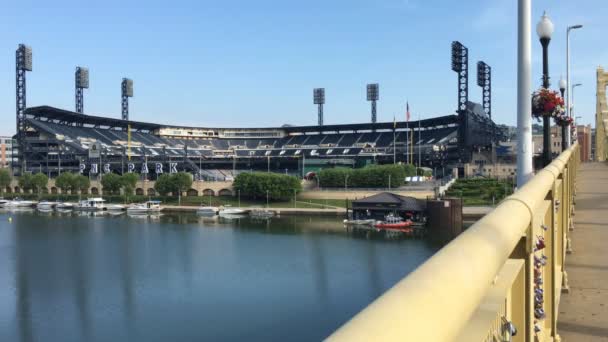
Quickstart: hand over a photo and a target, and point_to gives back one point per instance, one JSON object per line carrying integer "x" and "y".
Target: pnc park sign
{"x": 159, "y": 168}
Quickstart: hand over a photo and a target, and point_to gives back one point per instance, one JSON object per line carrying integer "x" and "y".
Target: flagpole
{"x": 419, "y": 142}
{"x": 407, "y": 142}
{"x": 394, "y": 148}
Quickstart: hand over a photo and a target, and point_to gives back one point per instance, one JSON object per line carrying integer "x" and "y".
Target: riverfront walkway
{"x": 583, "y": 313}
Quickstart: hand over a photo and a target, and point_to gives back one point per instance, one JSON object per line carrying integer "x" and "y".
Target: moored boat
{"x": 115, "y": 207}
{"x": 91, "y": 204}
{"x": 19, "y": 203}
{"x": 359, "y": 222}
{"x": 45, "y": 205}
{"x": 229, "y": 211}
{"x": 64, "y": 206}
{"x": 261, "y": 213}
{"x": 148, "y": 207}
{"x": 394, "y": 223}
{"x": 3, "y": 202}
{"x": 207, "y": 211}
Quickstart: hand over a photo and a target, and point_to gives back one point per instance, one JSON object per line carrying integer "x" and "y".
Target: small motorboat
{"x": 3, "y": 202}
{"x": 45, "y": 205}
{"x": 91, "y": 204}
{"x": 19, "y": 203}
{"x": 262, "y": 213}
{"x": 148, "y": 207}
{"x": 115, "y": 207}
{"x": 207, "y": 211}
{"x": 394, "y": 223}
{"x": 229, "y": 211}
{"x": 64, "y": 206}
{"x": 369, "y": 222}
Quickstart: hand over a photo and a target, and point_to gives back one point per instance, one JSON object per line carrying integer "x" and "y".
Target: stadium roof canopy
{"x": 62, "y": 116}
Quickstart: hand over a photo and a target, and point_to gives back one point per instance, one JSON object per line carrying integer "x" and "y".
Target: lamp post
{"x": 524, "y": 105}
{"x": 570, "y": 28}
{"x": 562, "y": 88}
{"x": 544, "y": 29}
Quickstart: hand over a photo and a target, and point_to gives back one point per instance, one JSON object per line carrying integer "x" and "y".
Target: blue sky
{"x": 254, "y": 63}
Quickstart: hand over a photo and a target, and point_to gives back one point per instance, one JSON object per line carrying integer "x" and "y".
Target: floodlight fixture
{"x": 319, "y": 99}
{"x": 373, "y": 94}
{"x": 127, "y": 91}
{"x": 460, "y": 64}
{"x": 484, "y": 80}
{"x": 23, "y": 63}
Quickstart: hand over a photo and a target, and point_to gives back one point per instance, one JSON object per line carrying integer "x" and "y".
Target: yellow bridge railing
{"x": 500, "y": 280}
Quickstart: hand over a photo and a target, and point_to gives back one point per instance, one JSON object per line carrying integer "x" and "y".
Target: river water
{"x": 65, "y": 277}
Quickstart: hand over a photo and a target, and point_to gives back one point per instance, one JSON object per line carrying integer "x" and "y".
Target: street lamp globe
{"x": 544, "y": 28}
{"x": 562, "y": 84}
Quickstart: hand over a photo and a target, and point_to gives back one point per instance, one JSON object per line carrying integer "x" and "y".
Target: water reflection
{"x": 88, "y": 277}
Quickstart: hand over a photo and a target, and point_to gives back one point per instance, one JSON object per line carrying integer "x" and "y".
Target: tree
{"x": 111, "y": 183}
{"x": 128, "y": 183}
{"x": 65, "y": 181}
{"x": 182, "y": 181}
{"x": 259, "y": 184}
{"x": 81, "y": 182}
{"x": 5, "y": 180}
{"x": 164, "y": 184}
{"x": 25, "y": 181}
{"x": 39, "y": 181}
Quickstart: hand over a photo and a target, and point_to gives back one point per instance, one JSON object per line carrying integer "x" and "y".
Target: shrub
{"x": 259, "y": 184}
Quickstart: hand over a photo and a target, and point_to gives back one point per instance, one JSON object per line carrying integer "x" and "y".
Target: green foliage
{"x": 111, "y": 183}
{"x": 26, "y": 181}
{"x": 481, "y": 191}
{"x": 5, "y": 179}
{"x": 371, "y": 176}
{"x": 182, "y": 181}
{"x": 164, "y": 184}
{"x": 174, "y": 183}
{"x": 257, "y": 184}
{"x": 65, "y": 181}
{"x": 129, "y": 182}
{"x": 39, "y": 181}
{"x": 70, "y": 182}
{"x": 81, "y": 182}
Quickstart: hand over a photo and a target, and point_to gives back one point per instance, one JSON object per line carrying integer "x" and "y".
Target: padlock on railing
{"x": 508, "y": 330}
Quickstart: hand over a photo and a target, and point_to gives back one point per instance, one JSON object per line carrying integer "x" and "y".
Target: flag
{"x": 394, "y": 122}
{"x": 407, "y": 111}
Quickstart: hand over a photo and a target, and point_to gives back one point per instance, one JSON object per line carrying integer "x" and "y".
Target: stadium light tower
{"x": 127, "y": 91}
{"x": 82, "y": 82}
{"x": 318, "y": 95}
{"x": 460, "y": 64}
{"x": 484, "y": 80}
{"x": 373, "y": 94}
{"x": 23, "y": 62}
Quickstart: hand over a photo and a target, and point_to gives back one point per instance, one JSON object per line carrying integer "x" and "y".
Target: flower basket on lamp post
{"x": 547, "y": 104}
{"x": 563, "y": 121}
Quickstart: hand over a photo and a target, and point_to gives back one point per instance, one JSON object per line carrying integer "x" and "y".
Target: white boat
{"x": 64, "y": 206}
{"x": 148, "y": 207}
{"x": 228, "y": 211}
{"x": 115, "y": 207}
{"x": 207, "y": 211}
{"x": 359, "y": 222}
{"x": 45, "y": 205}
{"x": 261, "y": 213}
{"x": 19, "y": 203}
{"x": 91, "y": 204}
{"x": 3, "y": 202}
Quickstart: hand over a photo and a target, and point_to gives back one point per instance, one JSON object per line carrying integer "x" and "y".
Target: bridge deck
{"x": 583, "y": 314}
